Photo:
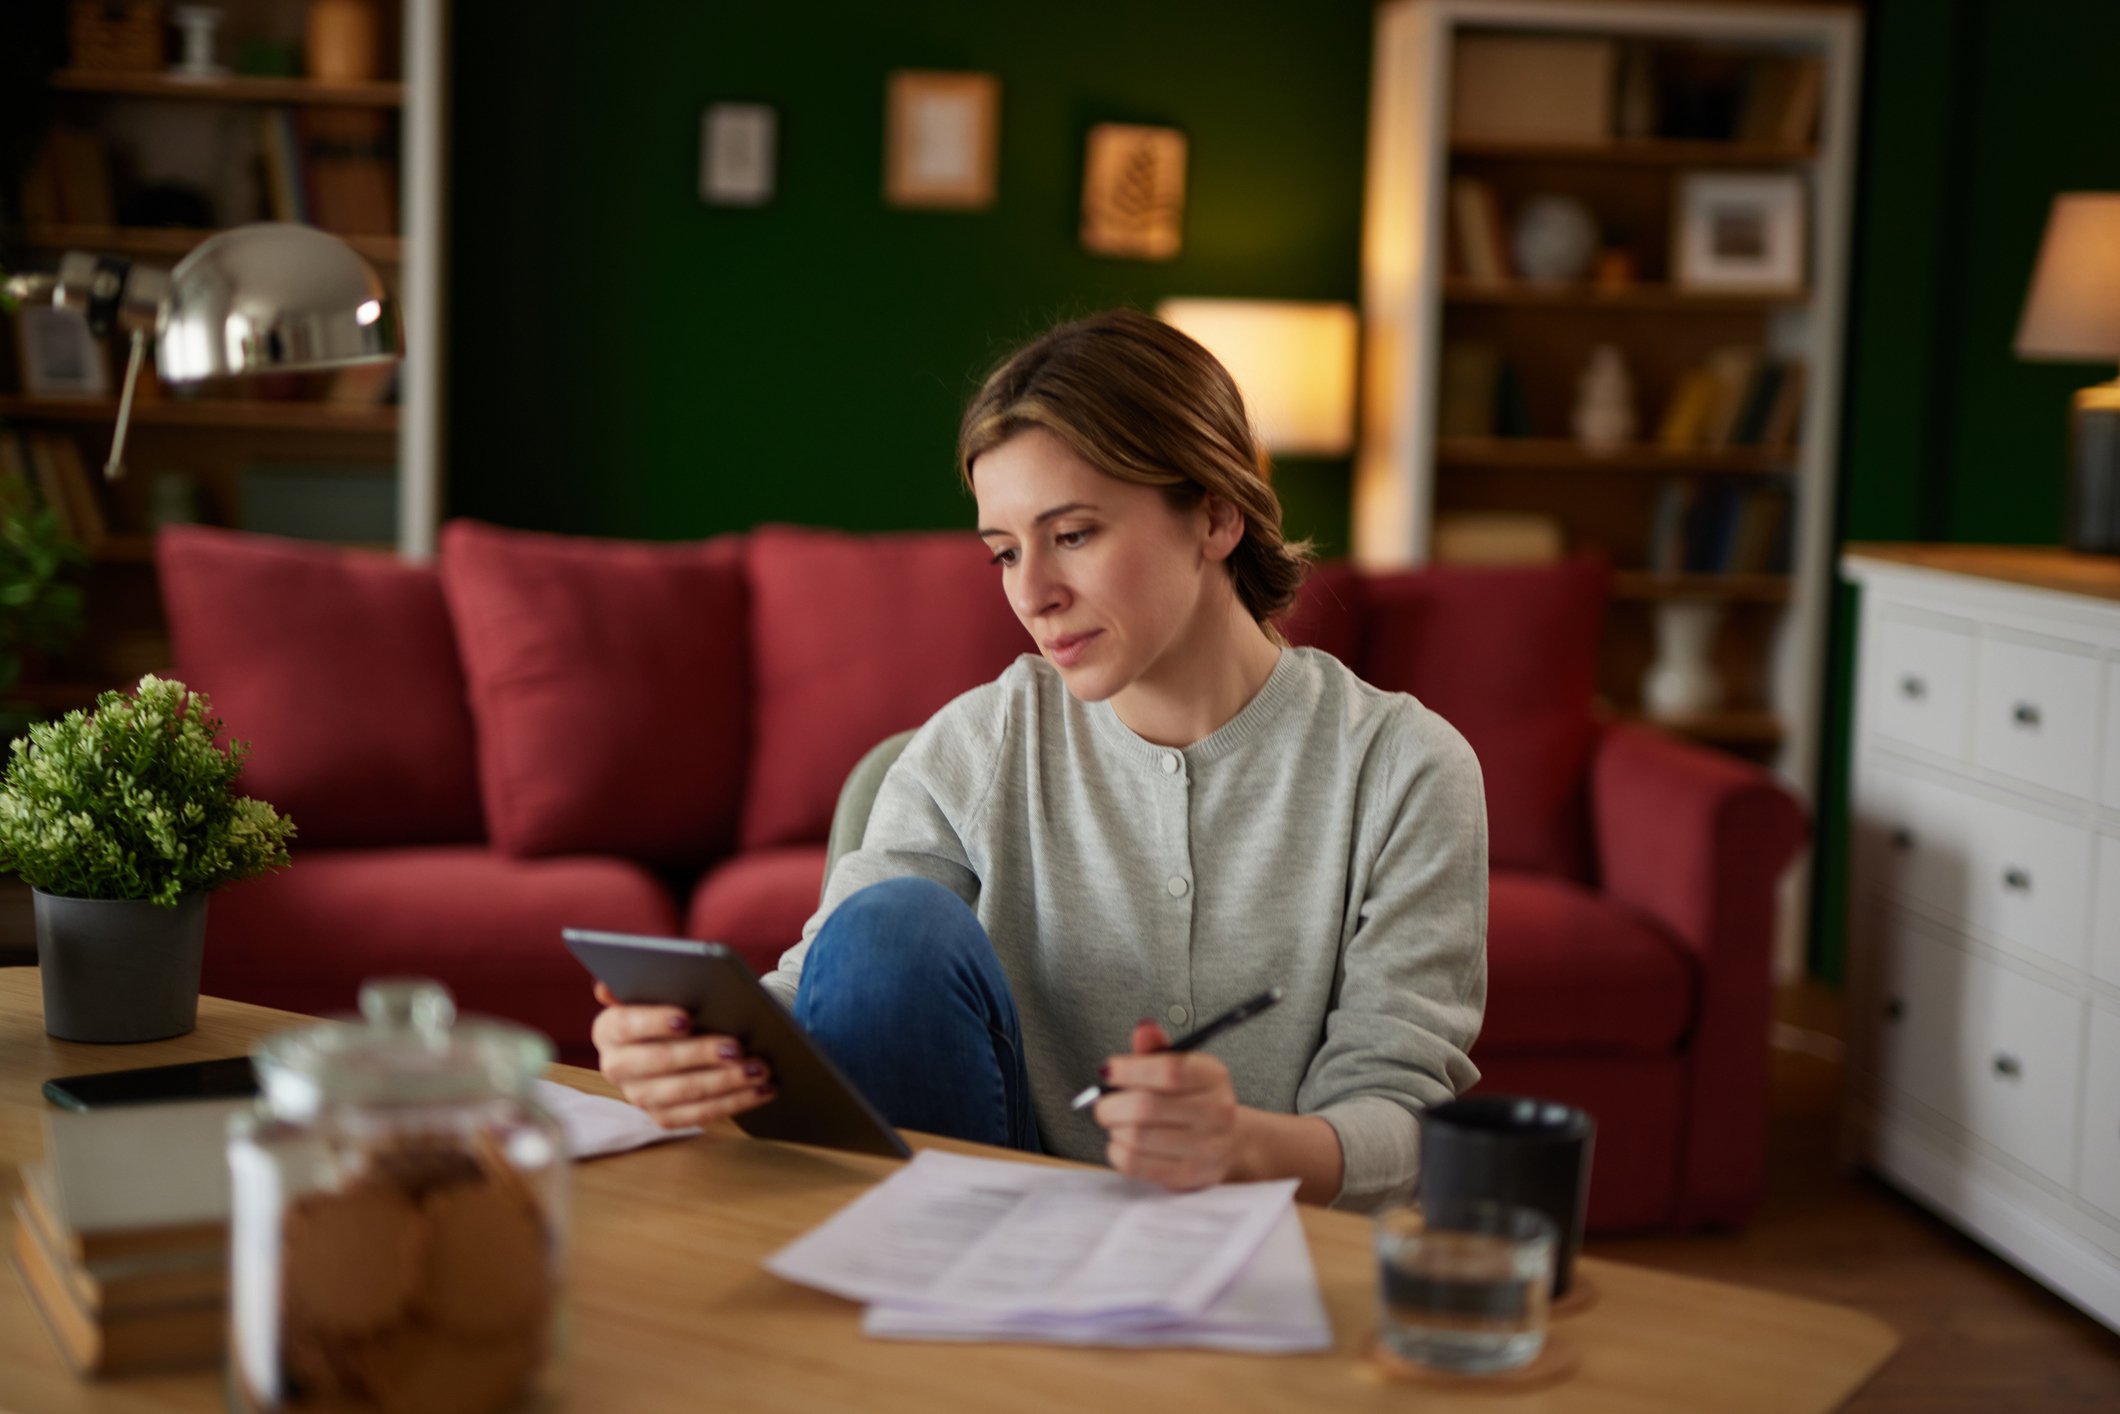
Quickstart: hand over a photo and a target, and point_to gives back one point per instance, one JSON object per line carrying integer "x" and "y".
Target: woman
{"x": 1166, "y": 811}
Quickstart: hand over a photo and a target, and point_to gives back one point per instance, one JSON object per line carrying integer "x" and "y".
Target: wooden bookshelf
{"x": 1639, "y": 152}
{"x": 1558, "y": 454}
{"x": 1646, "y": 296}
{"x": 173, "y": 242}
{"x": 1728, "y": 588}
{"x": 226, "y": 414}
{"x": 233, "y": 89}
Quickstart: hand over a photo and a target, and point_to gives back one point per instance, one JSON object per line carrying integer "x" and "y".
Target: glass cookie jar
{"x": 399, "y": 1203}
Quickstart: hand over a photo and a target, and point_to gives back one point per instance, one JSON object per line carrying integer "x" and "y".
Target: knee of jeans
{"x": 905, "y": 924}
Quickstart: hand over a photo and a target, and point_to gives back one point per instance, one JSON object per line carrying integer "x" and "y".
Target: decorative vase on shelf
{"x": 342, "y": 43}
{"x": 1604, "y": 402}
{"x": 1682, "y": 681}
{"x": 122, "y": 821}
{"x": 1555, "y": 240}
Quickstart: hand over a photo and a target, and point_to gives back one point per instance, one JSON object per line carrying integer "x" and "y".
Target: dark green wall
{"x": 629, "y": 361}
{"x": 1977, "y": 112}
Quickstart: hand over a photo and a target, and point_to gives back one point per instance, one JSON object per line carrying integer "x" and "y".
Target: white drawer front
{"x": 1920, "y": 684}
{"x": 1915, "y": 841}
{"x": 1923, "y": 991}
{"x": 2111, "y": 792}
{"x": 2019, "y": 1068}
{"x": 2098, "y": 1175}
{"x": 2105, "y": 921}
{"x": 2030, "y": 884}
{"x": 2036, "y": 715}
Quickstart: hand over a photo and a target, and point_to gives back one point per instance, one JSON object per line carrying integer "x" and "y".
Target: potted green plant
{"x": 123, "y": 820}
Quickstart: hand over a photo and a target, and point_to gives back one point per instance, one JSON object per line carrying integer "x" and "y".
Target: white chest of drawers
{"x": 1984, "y": 1032}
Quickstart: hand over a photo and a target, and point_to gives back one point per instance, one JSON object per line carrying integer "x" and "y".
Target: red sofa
{"x": 541, "y": 731}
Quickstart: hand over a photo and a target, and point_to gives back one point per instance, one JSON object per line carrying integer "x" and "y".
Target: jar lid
{"x": 408, "y": 1046}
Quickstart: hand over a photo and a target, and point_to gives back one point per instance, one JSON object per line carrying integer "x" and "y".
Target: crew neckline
{"x": 1252, "y": 719}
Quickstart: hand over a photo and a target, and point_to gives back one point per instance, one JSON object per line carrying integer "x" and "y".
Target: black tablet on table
{"x": 816, "y": 1103}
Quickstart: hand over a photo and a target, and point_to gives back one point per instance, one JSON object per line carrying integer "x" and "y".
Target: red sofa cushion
{"x": 855, "y": 637}
{"x": 609, "y": 682}
{"x": 339, "y": 668}
{"x": 1568, "y": 969}
{"x": 1509, "y": 658}
{"x": 758, "y": 901}
{"x": 485, "y": 924}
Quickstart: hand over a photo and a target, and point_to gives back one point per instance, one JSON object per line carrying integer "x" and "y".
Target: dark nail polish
{"x": 680, "y": 1023}
{"x": 730, "y": 1050}
{"x": 754, "y": 1069}
{"x": 766, "y": 1091}
{"x": 1104, "y": 1073}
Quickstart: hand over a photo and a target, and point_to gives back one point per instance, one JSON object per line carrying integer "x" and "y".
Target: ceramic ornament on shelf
{"x": 1682, "y": 682}
{"x": 1604, "y": 401}
{"x": 198, "y": 24}
{"x": 1555, "y": 240}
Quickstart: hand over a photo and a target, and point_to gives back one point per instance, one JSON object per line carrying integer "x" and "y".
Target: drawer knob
{"x": 2007, "y": 1066}
{"x": 2025, "y": 715}
{"x": 1902, "y": 839}
{"x": 2018, "y": 880}
{"x": 1913, "y": 688}
{"x": 1894, "y": 1009}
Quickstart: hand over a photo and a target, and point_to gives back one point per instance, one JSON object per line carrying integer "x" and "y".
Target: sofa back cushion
{"x": 611, "y": 687}
{"x": 1508, "y": 656}
{"x": 339, "y": 668}
{"x": 855, "y": 637}
{"x": 1327, "y": 614}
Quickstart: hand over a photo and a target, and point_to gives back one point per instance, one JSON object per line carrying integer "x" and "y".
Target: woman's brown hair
{"x": 1140, "y": 401}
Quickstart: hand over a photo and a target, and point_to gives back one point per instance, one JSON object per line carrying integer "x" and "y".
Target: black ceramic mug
{"x": 1512, "y": 1149}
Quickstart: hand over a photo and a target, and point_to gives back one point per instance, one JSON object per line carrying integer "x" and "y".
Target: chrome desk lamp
{"x": 268, "y": 298}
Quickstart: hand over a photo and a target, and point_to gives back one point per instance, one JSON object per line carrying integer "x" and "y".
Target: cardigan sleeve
{"x": 924, "y": 811}
{"x": 1412, "y": 982}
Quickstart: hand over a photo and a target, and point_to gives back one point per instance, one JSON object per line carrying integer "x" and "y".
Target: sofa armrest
{"x": 1695, "y": 839}
{"x": 1698, "y": 842}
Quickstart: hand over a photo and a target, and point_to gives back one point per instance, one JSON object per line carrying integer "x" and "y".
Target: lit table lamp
{"x": 2073, "y": 315}
{"x": 1292, "y": 360}
{"x": 269, "y": 298}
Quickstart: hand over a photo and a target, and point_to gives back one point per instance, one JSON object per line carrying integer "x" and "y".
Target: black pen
{"x": 1242, "y": 1011}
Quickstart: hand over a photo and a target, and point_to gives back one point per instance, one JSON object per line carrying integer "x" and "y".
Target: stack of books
{"x": 121, "y": 1236}
{"x": 1737, "y": 398}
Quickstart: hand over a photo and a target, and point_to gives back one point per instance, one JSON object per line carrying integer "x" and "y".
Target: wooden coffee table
{"x": 668, "y": 1307}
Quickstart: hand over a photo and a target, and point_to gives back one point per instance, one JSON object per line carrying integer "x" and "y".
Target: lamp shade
{"x": 2073, "y": 310}
{"x": 1292, "y": 360}
{"x": 273, "y": 298}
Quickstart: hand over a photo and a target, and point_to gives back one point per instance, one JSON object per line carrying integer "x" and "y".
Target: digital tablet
{"x": 816, "y": 1103}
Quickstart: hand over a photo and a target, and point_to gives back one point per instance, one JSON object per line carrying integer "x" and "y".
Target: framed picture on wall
{"x": 1739, "y": 231}
{"x": 941, "y": 139}
{"x": 1133, "y": 191}
{"x": 60, "y": 357}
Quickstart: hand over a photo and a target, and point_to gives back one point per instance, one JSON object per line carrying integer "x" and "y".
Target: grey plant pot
{"x": 119, "y": 970}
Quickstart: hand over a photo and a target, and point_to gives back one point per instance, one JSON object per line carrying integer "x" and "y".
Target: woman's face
{"x": 1108, "y": 578}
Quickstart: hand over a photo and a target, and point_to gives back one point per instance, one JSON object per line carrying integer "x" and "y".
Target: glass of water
{"x": 1465, "y": 1284}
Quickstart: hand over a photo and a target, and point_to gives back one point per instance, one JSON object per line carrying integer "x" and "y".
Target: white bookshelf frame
{"x": 1403, "y": 265}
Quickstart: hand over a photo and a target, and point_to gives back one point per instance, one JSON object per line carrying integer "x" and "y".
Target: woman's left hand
{"x": 1173, "y": 1119}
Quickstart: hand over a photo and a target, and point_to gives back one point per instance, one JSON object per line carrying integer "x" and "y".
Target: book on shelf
{"x": 347, "y": 161}
{"x": 1784, "y": 419}
{"x": 58, "y": 459}
{"x": 1497, "y": 538}
{"x": 1781, "y": 100}
{"x": 1737, "y": 398}
{"x": 1466, "y": 399}
{"x": 1718, "y": 527}
{"x": 280, "y": 163}
{"x": 1480, "y": 237}
{"x": 1667, "y": 526}
{"x": 1532, "y": 88}
{"x": 1759, "y": 542}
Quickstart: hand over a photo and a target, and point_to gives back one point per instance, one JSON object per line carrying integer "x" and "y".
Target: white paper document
{"x": 951, "y": 1247}
{"x": 596, "y": 1124}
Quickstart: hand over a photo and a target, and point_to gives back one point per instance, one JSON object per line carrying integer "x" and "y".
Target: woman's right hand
{"x": 651, "y": 1055}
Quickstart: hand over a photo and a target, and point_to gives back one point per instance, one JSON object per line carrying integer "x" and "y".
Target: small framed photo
{"x": 942, "y": 138}
{"x": 1133, "y": 191}
{"x": 60, "y": 357}
{"x": 1740, "y": 231}
{"x": 736, "y": 149}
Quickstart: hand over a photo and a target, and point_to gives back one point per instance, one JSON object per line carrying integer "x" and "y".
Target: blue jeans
{"x": 902, "y": 990}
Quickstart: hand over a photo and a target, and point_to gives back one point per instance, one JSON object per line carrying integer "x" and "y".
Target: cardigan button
{"x": 1177, "y": 1014}
{"x": 1177, "y": 886}
{"x": 1170, "y": 765}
